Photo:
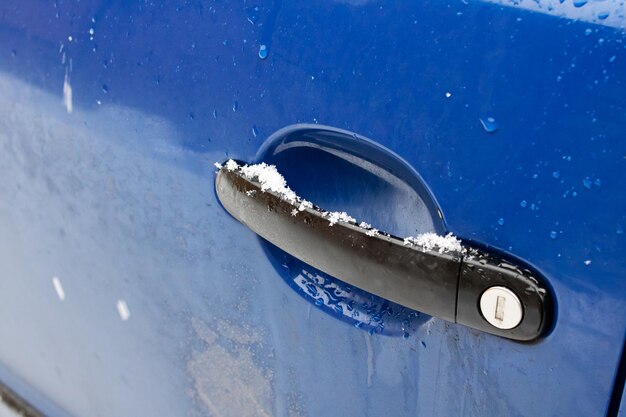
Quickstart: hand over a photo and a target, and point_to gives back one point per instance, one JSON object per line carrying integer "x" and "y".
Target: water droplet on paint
{"x": 556, "y": 174}
{"x": 501, "y": 221}
{"x": 587, "y": 183}
{"x": 263, "y": 51}
{"x": 523, "y": 203}
{"x": 489, "y": 124}
{"x": 253, "y": 14}
{"x": 553, "y": 234}
{"x": 580, "y": 3}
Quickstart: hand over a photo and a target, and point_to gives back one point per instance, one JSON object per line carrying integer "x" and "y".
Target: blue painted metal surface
{"x": 112, "y": 114}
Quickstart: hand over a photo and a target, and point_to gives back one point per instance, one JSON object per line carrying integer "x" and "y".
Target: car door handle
{"x": 460, "y": 282}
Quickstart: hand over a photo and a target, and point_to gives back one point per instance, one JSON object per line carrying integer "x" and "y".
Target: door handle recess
{"x": 461, "y": 283}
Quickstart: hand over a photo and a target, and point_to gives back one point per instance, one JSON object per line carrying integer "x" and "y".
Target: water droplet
{"x": 588, "y": 262}
{"x": 91, "y": 31}
{"x": 255, "y": 131}
{"x": 423, "y": 343}
{"x": 253, "y": 14}
{"x": 619, "y": 230}
{"x": 580, "y": 3}
{"x": 448, "y": 95}
{"x": 553, "y": 234}
{"x": 556, "y": 174}
{"x": 587, "y": 32}
{"x": 235, "y": 105}
{"x": 501, "y": 221}
{"x": 192, "y": 116}
{"x": 523, "y": 203}
{"x": 603, "y": 15}
{"x": 105, "y": 88}
{"x": 405, "y": 335}
{"x": 263, "y": 51}
{"x": 612, "y": 59}
{"x": 597, "y": 182}
{"x": 215, "y": 113}
{"x": 489, "y": 124}
{"x": 535, "y": 176}
{"x": 587, "y": 183}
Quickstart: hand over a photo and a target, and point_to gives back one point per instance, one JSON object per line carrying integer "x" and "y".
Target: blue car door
{"x": 128, "y": 290}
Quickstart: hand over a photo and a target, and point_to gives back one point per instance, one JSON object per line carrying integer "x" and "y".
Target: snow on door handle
{"x": 436, "y": 275}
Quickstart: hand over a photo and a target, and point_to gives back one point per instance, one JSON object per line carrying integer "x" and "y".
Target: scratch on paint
{"x": 370, "y": 358}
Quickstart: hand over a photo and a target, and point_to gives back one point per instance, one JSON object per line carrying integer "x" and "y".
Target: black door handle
{"x": 458, "y": 282}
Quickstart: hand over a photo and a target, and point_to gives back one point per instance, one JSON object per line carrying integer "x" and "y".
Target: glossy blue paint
{"x": 115, "y": 199}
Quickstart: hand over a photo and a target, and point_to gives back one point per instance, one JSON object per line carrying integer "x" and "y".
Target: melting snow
{"x": 56, "y": 282}
{"x": 432, "y": 241}
{"x": 371, "y": 231}
{"x": 335, "y": 216}
{"x": 270, "y": 179}
{"x": 67, "y": 94}
{"x": 122, "y": 309}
